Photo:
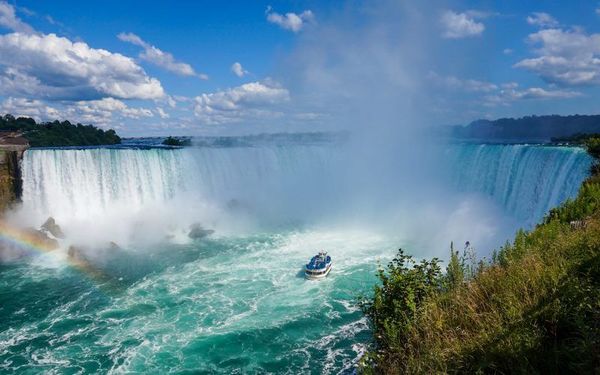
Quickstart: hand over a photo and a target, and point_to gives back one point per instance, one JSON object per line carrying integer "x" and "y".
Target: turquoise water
{"x": 525, "y": 180}
{"x": 237, "y": 302}
{"x": 228, "y": 305}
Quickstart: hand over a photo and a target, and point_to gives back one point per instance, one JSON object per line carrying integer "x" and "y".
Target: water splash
{"x": 526, "y": 180}
{"x": 135, "y": 196}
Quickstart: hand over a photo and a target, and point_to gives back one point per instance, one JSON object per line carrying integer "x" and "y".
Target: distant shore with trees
{"x": 528, "y": 128}
{"x": 57, "y": 133}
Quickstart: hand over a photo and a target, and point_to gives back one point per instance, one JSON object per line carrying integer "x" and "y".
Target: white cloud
{"x": 290, "y": 21}
{"x": 161, "y": 112}
{"x": 507, "y": 51}
{"x": 29, "y": 108}
{"x": 498, "y": 94}
{"x": 564, "y": 57}
{"x": 9, "y": 19}
{"x": 454, "y": 83}
{"x": 103, "y": 112}
{"x": 460, "y": 25}
{"x": 509, "y": 85}
{"x": 511, "y": 92}
{"x": 52, "y": 67}
{"x": 253, "y": 100}
{"x": 238, "y": 69}
{"x": 542, "y": 19}
{"x": 100, "y": 111}
{"x": 540, "y": 93}
{"x": 160, "y": 58}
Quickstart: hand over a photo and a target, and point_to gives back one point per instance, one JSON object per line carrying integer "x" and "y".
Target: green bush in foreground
{"x": 534, "y": 308}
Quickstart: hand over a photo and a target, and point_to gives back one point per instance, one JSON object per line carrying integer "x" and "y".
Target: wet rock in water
{"x": 75, "y": 253}
{"x": 40, "y": 239}
{"x": 53, "y": 228}
{"x": 197, "y": 232}
{"x": 37, "y": 240}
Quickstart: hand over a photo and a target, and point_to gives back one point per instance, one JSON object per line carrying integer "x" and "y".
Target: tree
{"x": 454, "y": 272}
{"x": 397, "y": 302}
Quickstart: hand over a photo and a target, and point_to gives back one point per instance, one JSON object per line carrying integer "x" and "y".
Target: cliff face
{"x": 12, "y": 147}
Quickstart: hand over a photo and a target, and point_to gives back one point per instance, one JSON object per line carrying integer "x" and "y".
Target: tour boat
{"x": 318, "y": 267}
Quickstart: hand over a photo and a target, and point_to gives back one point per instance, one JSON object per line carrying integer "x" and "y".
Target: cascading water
{"x": 84, "y": 183}
{"x": 120, "y": 186}
{"x": 236, "y": 301}
{"x": 526, "y": 180}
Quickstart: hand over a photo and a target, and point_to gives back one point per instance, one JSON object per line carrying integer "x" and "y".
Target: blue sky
{"x": 157, "y": 68}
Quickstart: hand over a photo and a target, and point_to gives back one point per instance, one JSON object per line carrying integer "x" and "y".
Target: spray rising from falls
{"x": 526, "y": 180}
{"x": 115, "y": 189}
{"x": 165, "y": 187}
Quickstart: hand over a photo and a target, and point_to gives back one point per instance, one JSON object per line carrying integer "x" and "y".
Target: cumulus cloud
{"x": 9, "y": 19}
{"x": 564, "y": 57}
{"x": 498, "y": 94}
{"x": 542, "y": 19}
{"x": 160, "y": 58}
{"x": 290, "y": 21}
{"x": 102, "y": 112}
{"x": 29, "y": 108}
{"x": 460, "y": 25}
{"x": 52, "y": 67}
{"x": 253, "y": 100}
{"x": 238, "y": 69}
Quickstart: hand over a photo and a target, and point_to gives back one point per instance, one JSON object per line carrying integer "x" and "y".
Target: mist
{"x": 366, "y": 67}
{"x": 361, "y": 70}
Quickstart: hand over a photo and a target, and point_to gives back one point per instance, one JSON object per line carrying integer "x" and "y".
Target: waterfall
{"x": 526, "y": 180}
{"x": 88, "y": 184}
{"x": 80, "y": 183}
{"x": 299, "y": 179}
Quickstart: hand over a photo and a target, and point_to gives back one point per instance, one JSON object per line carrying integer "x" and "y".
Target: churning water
{"x": 236, "y": 301}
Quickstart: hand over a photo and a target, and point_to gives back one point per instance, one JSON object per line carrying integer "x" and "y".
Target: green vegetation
{"x": 533, "y": 308}
{"x": 575, "y": 139}
{"x": 171, "y": 141}
{"x": 56, "y": 134}
{"x": 529, "y": 128}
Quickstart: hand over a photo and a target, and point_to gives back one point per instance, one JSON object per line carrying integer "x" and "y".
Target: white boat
{"x": 318, "y": 267}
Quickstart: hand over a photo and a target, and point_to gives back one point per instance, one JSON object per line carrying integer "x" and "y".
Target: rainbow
{"x": 27, "y": 239}
{"x": 34, "y": 242}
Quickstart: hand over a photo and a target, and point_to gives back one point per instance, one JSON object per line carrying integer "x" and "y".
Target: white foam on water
{"x": 246, "y": 280}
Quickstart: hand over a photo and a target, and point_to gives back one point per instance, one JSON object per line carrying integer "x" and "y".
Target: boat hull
{"x": 317, "y": 274}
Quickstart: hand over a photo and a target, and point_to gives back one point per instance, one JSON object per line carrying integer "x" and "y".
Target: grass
{"x": 534, "y": 308}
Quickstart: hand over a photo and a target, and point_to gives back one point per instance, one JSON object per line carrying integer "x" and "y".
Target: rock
{"x": 53, "y": 228}
{"x": 40, "y": 239}
{"x": 74, "y": 252}
{"x": 197, "y": 232}
{"x": 11, "y": 183}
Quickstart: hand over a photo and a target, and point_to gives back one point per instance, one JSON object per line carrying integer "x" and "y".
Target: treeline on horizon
{"x": 533, "y": 308}
{"x": 57, "y": 133}
{"x": 538, "y": 128}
